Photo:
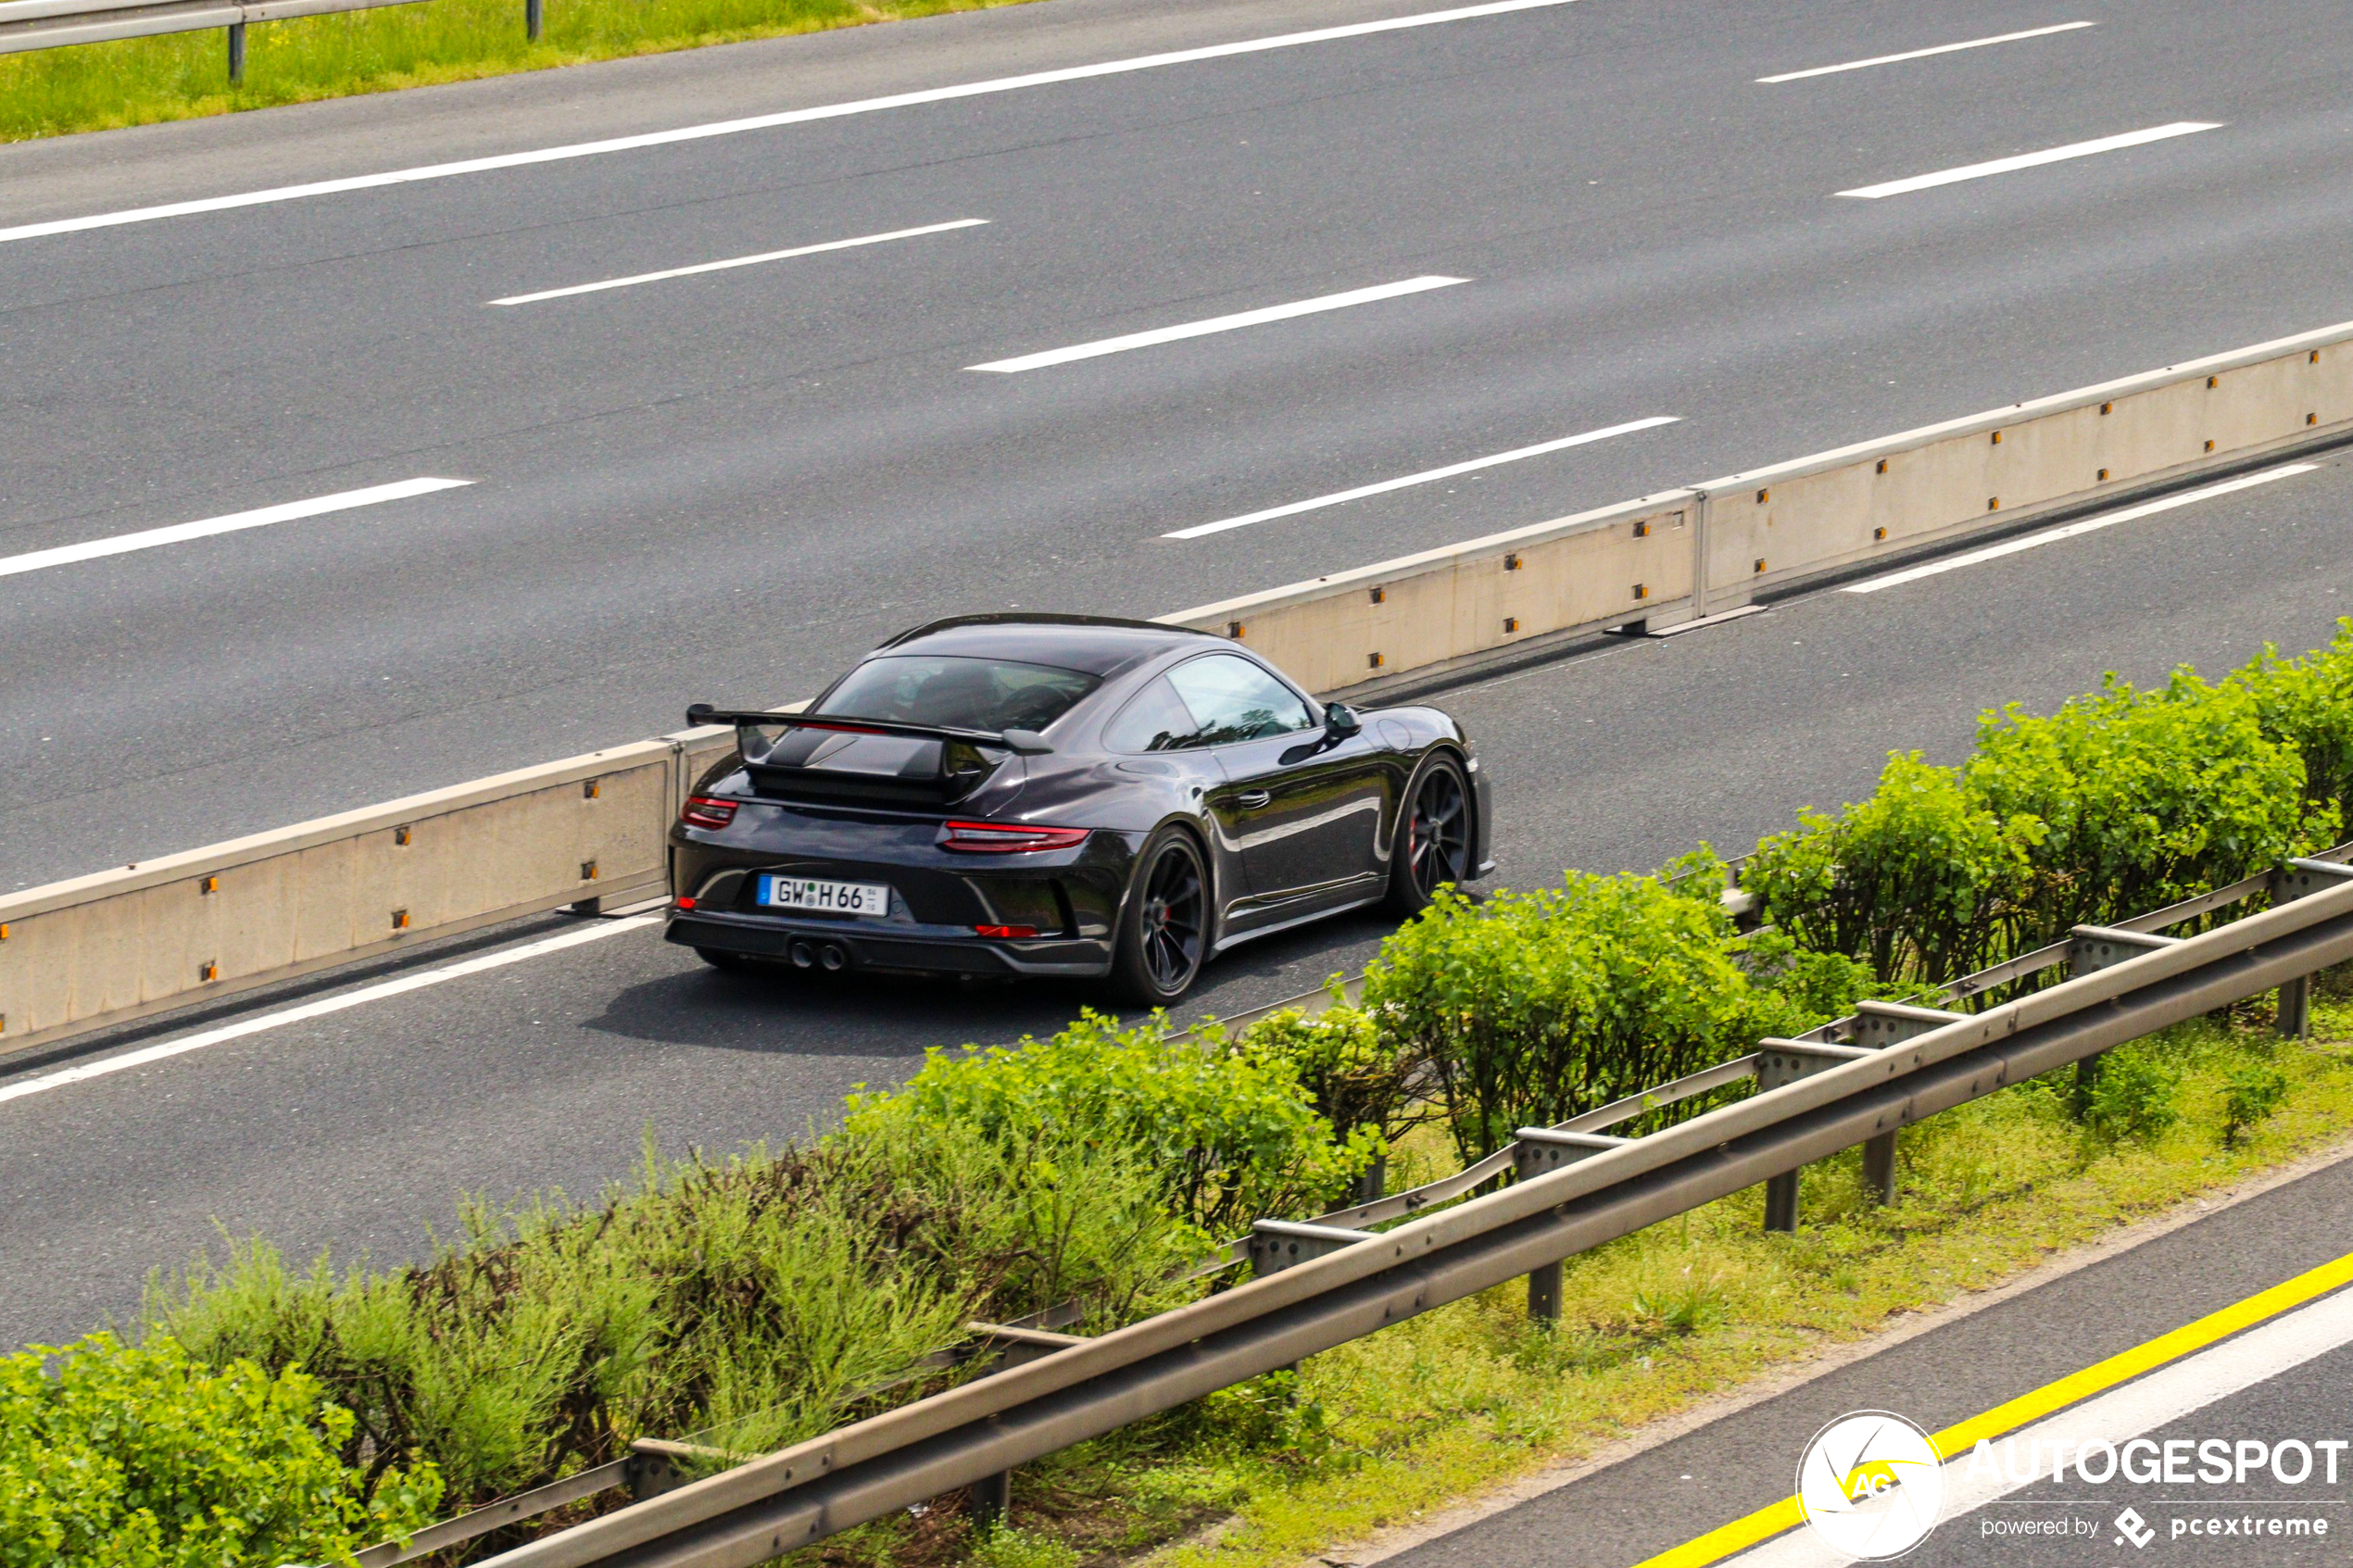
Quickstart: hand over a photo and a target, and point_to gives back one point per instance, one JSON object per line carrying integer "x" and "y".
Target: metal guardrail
{"x": 1918, "y": 1050}
{"x": 27, "y": 25}
{"x": 1698, "y": 551}
{"x": 53, "y": 24}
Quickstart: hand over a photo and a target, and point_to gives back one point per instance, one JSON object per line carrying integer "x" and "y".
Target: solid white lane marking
{"x": 288, "y": 511}
{"x": 1923, "y": 54}
{"x": 1425, "y": 477}
{"x": 765, "y": 122}
{"x": 739, "y": 261}
{"x": 321, "y": 1008}
{"x": 2035, "y": 160}
{"x": 2156, "y": 1399}
{"x": 2068, "y": 530}
{"x": 1217, "y": 324}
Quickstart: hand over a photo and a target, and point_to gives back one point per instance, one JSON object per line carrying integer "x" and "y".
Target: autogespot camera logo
{"x": 1872, "y": 1486}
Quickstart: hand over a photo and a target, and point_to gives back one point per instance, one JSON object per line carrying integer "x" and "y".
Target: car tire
{"x": 1432, "y": 844}
{"x": 1165, "y": 929}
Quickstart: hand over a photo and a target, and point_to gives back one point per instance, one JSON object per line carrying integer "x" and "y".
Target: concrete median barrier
{"x": 123, "y": 944}
{"x": 1715, "y": 546}
{"x": 589, "y": 831}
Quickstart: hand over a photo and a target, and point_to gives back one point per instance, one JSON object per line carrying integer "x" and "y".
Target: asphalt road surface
{"x": 723, "y": 485}
{"x": 354, "y": 1128}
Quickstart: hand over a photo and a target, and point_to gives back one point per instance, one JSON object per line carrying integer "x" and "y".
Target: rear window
{"x": 964, "y": 693}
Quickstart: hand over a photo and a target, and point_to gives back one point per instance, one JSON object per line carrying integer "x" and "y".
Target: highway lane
{"x": 722, "y": 486}
{"x": 1653, "y": 1502}
{"x": 356, "y": 1128}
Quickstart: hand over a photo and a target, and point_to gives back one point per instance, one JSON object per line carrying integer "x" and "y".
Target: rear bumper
{"x": 871, "y": 945}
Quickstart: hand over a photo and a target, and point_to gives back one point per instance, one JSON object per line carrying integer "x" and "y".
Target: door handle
{"x": 1252, "y": 799}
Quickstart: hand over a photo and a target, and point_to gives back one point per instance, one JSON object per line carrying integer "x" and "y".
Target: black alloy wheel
{"x": 1432, "y": 846}
{"x": 1165, "y": 932}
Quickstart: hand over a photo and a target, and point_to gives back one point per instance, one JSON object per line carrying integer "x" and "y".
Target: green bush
{"x": 2308, "y": 703}
{"x": 1921, "y": 880}
{"x": 2249, "y": 1096}
{"x": 1229, "y": 1130}
{"x": 2131, "y": 1095}
{"x": 115, "y": 1456}
{"x": 2144, "y": 798}
{"x": 1350, "y": 1071}
{"x": 761, "y": 1296}
{"x": 1532, "y": 1008}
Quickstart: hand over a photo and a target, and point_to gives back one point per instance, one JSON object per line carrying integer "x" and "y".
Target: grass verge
{"x": 1424, "y": 1416}
{"x": 184, "y": 76}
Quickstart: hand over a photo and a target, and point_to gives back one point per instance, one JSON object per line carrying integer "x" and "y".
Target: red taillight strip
{"x": 1000, "y": 838}
{"x": 707, "y": 812}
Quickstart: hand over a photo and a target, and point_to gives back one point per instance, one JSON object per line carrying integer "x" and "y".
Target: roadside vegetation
{"x": 743, "y": 1302}
{"x": 183, "y": 76}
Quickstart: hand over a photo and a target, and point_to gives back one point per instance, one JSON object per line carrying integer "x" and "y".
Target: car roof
{"x": 1098, "y": 645}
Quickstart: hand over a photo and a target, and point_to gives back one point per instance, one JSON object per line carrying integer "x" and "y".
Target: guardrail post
{"x": 990, "y": 1500}
{"x": 1371, "y": 1182}
{"x": 1879, "y": 1026}
{"x": 2292, "y": 881}
{"x": 1539, "y": 1149}
{"x": 237, "y": 52}
{"x": 2091, "y": 948}
{"x": 1785, "y": 1061}
{"x": 1276, "y": 1245}
{"x": 531, "y": 20}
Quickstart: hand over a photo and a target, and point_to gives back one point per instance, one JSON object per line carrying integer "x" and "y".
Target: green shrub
{"x": 1920, "y": 880}
{"x": 2308, "y": 703}
{"x": 1532, "y": 1008}
{"x": 2132, "y": 1096}
{"x": 1230, "y": 1131}
{"x": 115, "y": 1456}
{"x": 2142, "y": 797}
{"x": 761, "y": 1296}
{"x": 2249, "y": 1096}
{"x": 1353, "y": 1074}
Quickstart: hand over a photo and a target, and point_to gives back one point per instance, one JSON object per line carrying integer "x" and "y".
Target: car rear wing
{"x": 1024, "y": 743}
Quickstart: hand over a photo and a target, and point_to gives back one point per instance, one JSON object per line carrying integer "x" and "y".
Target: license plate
{"x": 827, "y": 897}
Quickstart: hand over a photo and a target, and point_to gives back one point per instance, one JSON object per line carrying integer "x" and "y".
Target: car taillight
{"x": 702, "y": 812}
{"x": 1003, "y": 838}
{"x": 1004, "y": 931}
{"x": 684, "y": 903}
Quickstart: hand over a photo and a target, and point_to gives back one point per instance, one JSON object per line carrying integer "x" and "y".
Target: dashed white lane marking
{"x": 2035, "y": 160}
{"x": 2070, "y": 531}
{"x": 1425, "y": 476}
{"x": 178, "y": 533}
{"x": 764, "y": 121}
{"x": 733, "y": 262}
{"x": 1217, "y": 324}
{"x": 1924, "y": 54}
{"x": 320, "y": 1008}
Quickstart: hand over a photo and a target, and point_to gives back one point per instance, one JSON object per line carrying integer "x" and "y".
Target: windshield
{"x": 964, "y": 693}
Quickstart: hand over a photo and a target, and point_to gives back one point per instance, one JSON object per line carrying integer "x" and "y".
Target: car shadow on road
{"x": 776, "y": 1010}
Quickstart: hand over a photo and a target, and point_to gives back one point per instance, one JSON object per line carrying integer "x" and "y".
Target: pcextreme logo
{"x": 1872, "y": 1486}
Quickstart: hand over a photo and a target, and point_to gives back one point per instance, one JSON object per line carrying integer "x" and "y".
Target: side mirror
{"x": 1025, "y": 742}
{"x": 1341, "y": 720}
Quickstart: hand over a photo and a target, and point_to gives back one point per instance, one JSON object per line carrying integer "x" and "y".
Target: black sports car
{"x": 1063, "y": 794}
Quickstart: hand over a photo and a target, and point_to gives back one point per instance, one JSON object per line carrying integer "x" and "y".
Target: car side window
{"x": 1154, "y": 719}
{"x": 1232, "y": 699}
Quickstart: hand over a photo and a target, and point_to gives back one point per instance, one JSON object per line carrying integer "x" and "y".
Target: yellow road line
{"x": 2027, "y": 1409}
